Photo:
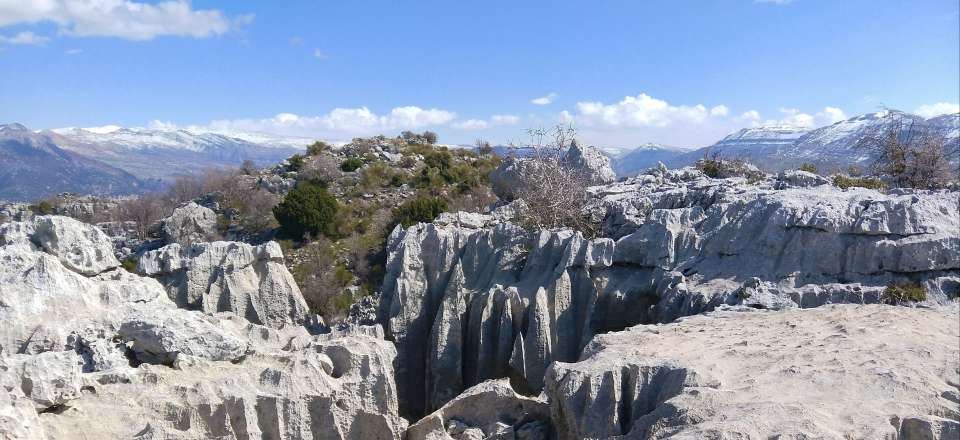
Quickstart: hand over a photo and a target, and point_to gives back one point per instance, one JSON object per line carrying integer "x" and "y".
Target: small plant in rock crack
{"x": 903, "y": 293}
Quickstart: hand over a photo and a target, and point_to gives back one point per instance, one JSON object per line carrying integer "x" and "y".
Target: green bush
{"x": 423, "y": 208}
{"x": 351, "y": 164}
{"x": 844, "y": 182}
{"x": 377, "y": 174}
{"x": 42, "y": 208}
{"x": 307, "y": 209}
{"x": 129, "y": 264}
{"x": 296, "y": 162}
{"x": 709, "y": 167}
{"x": 317, "y": 148}
{"x": 809, "y": 167}
{"x": 901, "y": 293}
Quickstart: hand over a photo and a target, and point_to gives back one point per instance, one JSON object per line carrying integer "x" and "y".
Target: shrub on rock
{"x": 421, "y": 209}
{"x": 307, "y": 209}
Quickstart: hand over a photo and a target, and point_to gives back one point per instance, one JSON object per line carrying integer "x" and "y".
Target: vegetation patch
{"x": 844, "y": 182}
{"x": 307, "y": 209}
{"x": 809, "y": 167}
{"x": 351, "y": 165}
{"x": 904, "y": 293}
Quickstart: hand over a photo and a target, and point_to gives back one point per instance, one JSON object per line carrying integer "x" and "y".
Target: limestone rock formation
{"x": 593, "y": 163}
{"x": 466, "y": 303}
{"x": 190, "y": 223}
{"x": 588, "y": 161}
{"x": 79, "y": 247}
{"x": 86, "y": 354}
{"x": 838, "y": 371}
{"x": 492, "y": 408}
{"x": 249, "y": 281}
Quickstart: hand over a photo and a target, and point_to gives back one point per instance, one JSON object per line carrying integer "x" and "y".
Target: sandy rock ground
{"x": 836, "y": 371}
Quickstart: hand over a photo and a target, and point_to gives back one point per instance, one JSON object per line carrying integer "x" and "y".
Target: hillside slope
{"x": 163, "y": 154}
{"x": 33, "y": 166}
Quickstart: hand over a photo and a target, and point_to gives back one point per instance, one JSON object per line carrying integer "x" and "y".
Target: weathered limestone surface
{"x": 190, "y": 223}
{"x": 249, "y": 281}
{"x": 838, "y": 371}
{"x": 471, "y": 301}
{"x": 490, "y": 409}
{"x": 86, "y": 354}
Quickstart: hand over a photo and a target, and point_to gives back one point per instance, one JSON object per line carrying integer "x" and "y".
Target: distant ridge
{"x": 774, "y": 148}
{"x": 163, "y": 154}
{"x": 33, "y": 166}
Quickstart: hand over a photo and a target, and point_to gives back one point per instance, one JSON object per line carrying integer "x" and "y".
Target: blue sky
{"x": 623, "y": 72}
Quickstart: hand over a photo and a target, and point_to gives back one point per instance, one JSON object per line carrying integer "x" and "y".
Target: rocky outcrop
{"x": 839, "y": 371}
{"x": 109, "y": 355}
{"x": 592, "y": 162}
{"x": 79, "y": 247}
{"x": 488, "y": 410}
{"x": 249, "y": 281}
{"x": 466, "y": 304}
{"x": 588, "y": 162}
{"x": 190, "y": 223}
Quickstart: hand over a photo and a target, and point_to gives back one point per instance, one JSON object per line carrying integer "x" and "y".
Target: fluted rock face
{"x": 838, "y": 371}
{"x": 249, "y": 281}
{"x": 470, "y": 303}
{"x": 87, "y": 354}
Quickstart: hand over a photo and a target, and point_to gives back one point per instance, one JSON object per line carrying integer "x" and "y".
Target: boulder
{"x": 592, "y": 163}
{"x": 249, "y": 281}
{"x": 837, "y": 371}
{"x": 189, "y": 224}
{"x": 48, "y": 379}
{"x": 80, "y": 247}
{"x": 491, "y": 407}
{"x": 159, "y": 336}
{"x": 799, "y": 179}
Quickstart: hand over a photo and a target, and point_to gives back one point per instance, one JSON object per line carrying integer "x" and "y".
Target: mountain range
{"x": 774, "y": 148}
{"x": 118, "y": 161}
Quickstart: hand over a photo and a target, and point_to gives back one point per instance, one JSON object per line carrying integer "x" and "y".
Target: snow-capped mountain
{"x": 774, "y": 148}
{"x": 162, "y": 154}
{"x": 633, "y": 161}
{"x": 33, "y": 166}
{"x": 830, "y": 148}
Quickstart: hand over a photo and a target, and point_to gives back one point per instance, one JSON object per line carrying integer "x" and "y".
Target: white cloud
{"x": 750, "y": 115}
{"x": 26, "y": 37}
{"x": 318, "y": 54}
{"x": 504, "y": 119}
{"x": 471, "y": 124}
{"x": 637, "y": 111}
{"x": 635, "y": 120}
{"x": 544, "y": 100}
{"x": 121, "y": 18}
{"x": 339, "y": 123}
{"x": 940, "y": 108}
{"x": 720, "y": 110}
{"x": 74, "y": 51}
{"x": 794, "y": 117}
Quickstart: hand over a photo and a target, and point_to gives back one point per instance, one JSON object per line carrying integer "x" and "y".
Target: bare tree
{"x": 553, "y": 191}
{"x": 144, "y": 211}
{"x": 909, "y": 154}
